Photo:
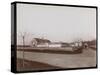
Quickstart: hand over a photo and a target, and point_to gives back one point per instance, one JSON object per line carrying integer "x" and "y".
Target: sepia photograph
{"x": 55, "y": 37}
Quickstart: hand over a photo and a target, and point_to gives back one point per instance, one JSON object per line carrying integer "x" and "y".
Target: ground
{"x": 58, "y": 59}
{"x": 33, "y": 65}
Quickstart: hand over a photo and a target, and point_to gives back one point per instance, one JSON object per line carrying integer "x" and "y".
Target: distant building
{"x": 58, "y": 44}
{"x": 91, "y": 43}
{"x": 76, "y": 44}
{"x": 37, "y": 42}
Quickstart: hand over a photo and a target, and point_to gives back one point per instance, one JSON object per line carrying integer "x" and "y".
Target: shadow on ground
{"x": 33, "y": 65}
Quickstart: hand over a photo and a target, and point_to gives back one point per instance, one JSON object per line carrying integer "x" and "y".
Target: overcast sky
{"x": 55, "y": 23}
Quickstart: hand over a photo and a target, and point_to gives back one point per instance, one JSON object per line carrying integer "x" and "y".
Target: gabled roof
{"x": 39, "y": 40}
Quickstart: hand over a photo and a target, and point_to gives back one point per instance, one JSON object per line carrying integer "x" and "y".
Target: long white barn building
{"x": 37, "y": 42}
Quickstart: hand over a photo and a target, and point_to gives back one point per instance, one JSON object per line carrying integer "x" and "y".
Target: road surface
{"x": 85, "y": 59}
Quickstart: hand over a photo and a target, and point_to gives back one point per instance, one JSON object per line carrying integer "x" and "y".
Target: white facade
{"x": 76, "y": 44}
{"x": 49, "y": 45}
{"x": 43, "y": 45}
{"x": 55, "y": 45}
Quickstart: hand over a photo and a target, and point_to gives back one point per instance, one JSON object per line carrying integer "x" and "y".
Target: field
{"x": 53, "y": 58}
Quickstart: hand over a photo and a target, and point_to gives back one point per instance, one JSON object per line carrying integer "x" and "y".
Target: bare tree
{"x": 23, "y": 36}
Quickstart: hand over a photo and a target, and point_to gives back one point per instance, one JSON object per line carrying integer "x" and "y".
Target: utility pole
{"x": 23, "y": 37}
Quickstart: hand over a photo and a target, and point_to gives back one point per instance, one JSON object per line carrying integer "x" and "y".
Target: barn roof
{"x": 39, "y": 40}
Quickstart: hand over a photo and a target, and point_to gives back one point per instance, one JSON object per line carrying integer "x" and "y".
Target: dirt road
{"x": 85, "y": 59}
